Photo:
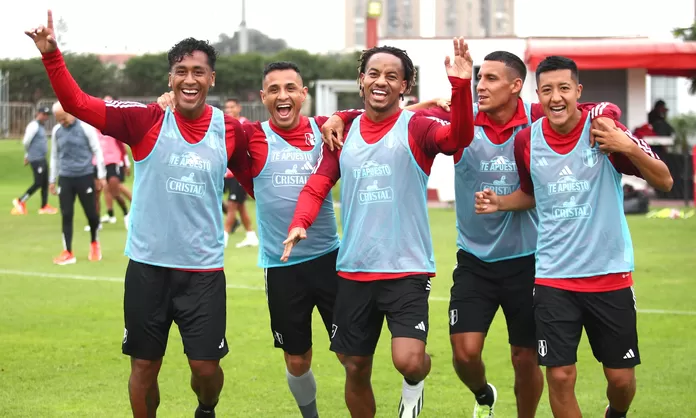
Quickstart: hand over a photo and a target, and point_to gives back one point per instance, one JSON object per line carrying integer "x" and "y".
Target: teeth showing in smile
{"x": 189, "y": 91}
{"x": 557, "y": 108}
{"x": 379, "y": 92}
{"x": 284, "y": 106}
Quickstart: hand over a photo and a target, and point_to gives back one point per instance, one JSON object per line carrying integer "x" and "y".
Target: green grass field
{"x": 61, "y": 329}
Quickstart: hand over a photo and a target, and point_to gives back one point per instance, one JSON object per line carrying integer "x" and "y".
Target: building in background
{"x": 400, "y": 19}
{"x": 474, "y": 18}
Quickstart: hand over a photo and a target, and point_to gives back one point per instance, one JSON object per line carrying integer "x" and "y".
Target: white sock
{"x": 304, "y": 390}
{"x": 227, "y": 238}
{"x": 410, "y": 394}
{"x": 251, "y": 234}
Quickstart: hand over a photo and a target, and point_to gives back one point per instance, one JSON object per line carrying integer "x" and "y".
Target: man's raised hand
{"x": 43, "y": 36}
{"x": 463, "y": 65}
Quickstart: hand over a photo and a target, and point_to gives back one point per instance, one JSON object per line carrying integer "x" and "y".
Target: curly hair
{"x": 187, "y": 47}
{"x": 409, "y": 68}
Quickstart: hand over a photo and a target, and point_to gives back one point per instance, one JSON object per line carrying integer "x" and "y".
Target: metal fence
{"x": 4, "y": 99}
{"x": 14, "y": 117}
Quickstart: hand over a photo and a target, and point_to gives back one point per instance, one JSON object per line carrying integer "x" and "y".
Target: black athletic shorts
{"x": 609, "y": 319}
{"x": 479, "y": 288}
{"x": 237, "y": 192}
{"x": 293, "y": 292}
{"x": 96, "y": 172}
{"x": 362, "y": 306}
{"x": 113, "y": 170}
{"x": 155, "y": 296}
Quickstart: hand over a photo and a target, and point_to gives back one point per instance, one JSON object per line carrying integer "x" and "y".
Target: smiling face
{"x": 283, "y": 94}
{"x": 190, "y": 79}
{"x": 383, "y": 82}
{"x": 558, "y": 92}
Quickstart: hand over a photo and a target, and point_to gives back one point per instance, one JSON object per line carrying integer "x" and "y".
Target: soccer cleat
{"x": 485, "y": 411}
{"x": 251, "y": 240}
{"x": 48, "y": 210}
{"x": 95, "y": 251}
{"x": 19, "y": 207}
{"x": 412, "y": 409}
{"x": 66, "y": 257}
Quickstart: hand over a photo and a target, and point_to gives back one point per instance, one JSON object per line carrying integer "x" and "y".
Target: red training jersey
{"x": 136, "y": 124}
{"x": 563, "y": 144}
{"x": 427, "y": 137}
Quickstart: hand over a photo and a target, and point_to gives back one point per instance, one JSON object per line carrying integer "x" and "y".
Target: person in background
{"x": 36, "y": 147}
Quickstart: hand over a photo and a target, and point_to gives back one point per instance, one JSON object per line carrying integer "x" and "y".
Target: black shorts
{"x": 237, "y": 192}
{"x": 155, "y": 296}
{"x": 114, "y": 170}
{"x": 96, "y": 172}
{"x": 292, "y": 294}
{"x": 609, "y": 319}
{"x": 361, "y": 307}
{"x": 479, "y": 288}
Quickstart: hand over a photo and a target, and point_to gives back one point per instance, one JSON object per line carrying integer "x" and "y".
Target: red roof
{"x": 659, "y": 58}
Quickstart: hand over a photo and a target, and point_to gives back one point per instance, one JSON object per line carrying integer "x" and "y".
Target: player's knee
{"x": 204, "y": 369}
{"x": 523, "y": 358}
{"x": 298, "y": 365}
{"x": 144, "y": 372}
{"x": 560, "y": 377}
{"x": 114, "y": 187}
{"x": 357, "y": 367}
{"x": 621, "y": 379}
{"x": 464, "y": 355}
{"x": 409, "y": 363}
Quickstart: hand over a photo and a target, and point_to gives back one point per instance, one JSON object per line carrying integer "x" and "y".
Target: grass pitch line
{"x": 243, "y": 287}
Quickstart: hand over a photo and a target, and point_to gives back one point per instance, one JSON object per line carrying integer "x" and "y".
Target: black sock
{"x": 110, "y": 212}
{"x": 204, "y": 411}
{"x": 485, "y": 396}
{"x": 613, "y": 413}
{"x": 411, "y": 382}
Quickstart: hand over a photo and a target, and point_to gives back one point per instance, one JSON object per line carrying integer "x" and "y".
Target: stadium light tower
{"x": 243, "y": 35}
{"x": 374, "y": 11}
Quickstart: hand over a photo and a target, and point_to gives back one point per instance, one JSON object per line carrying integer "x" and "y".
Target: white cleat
{"x": 485, "y": 411}
{"x": 251, "y": 240}
{"x": 412, "y": 408}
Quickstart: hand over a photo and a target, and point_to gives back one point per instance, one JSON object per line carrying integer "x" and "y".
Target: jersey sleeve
{"x": 622, "y": 163}
{"x": 125, "y": 121}
{"x": 238, "y": 154}
{"x": 522, "y": 159}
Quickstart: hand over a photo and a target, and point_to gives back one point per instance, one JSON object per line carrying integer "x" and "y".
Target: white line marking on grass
{"x": 244, "y": 287}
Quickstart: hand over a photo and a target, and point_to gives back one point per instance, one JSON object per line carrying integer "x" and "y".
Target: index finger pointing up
{"x": 49, "y": 20}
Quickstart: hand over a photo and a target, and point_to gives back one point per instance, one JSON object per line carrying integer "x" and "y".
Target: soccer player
{"x": 236, "y": 202}
{"x": 584, "y": 253}
{"x": 386, "y": 258}
{"x": 175, "y": 272}
{"x": 36, "y": 147}
{"x": 495, "y": 261}
{"x": 75, "y": 144}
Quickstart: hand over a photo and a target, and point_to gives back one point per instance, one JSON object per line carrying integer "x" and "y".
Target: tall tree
{"x": 258, "y": 42}
{"x": 687, "y": 34}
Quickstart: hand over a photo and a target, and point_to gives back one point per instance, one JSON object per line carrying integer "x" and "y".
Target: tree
{"x": 61, "y": 29}
{"x": 258, "y": 42}
{"x": 687, "y": 34}
{"x": 145, "y": 75}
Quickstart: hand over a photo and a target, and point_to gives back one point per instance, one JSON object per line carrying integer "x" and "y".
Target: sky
{"x": 128, "y": 26}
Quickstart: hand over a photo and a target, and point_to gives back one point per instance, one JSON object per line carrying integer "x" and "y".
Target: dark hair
{"x": 232, "y": 99}
{"x": 280, "y": 65}
{"x": 511, "y": 61}
{"x": 555, "y": 63}
{"x": 409, "y": 68}
{"x": 187, "y": 47}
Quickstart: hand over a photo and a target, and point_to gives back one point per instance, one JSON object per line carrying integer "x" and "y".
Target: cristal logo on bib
{"x": 294, "y": 176}
{"x": 375, "y": 194}
{"x": 572, "y": 210}
{"x": 500, "y": 164}
{"x": 500, "y": 187}
{"x": 186, "y": 185}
